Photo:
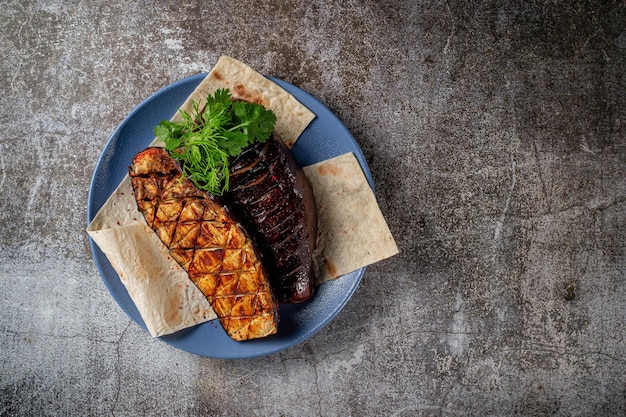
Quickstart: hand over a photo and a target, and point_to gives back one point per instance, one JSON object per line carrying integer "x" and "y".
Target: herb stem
{"x": 204, "y": 140}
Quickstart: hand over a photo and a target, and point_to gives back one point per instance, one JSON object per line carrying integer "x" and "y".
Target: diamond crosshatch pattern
{"x": 206, "y": 242}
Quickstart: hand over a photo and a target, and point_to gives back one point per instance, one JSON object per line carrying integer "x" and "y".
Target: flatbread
{"x": 164, "y": 295}
{"x": 352, "y": 230}
{"x": 244, "y": 83}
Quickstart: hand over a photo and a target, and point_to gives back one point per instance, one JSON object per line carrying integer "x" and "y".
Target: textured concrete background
{"x": 495, "y": 132}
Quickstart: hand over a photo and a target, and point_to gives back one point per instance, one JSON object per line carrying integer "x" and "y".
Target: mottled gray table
{"x": 495, "y": 132}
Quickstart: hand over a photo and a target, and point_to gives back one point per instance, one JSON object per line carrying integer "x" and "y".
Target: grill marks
{"x": 273, "y": 199}
{"x": 204, "y": 239}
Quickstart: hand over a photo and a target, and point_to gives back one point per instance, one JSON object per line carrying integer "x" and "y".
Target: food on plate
{"x": 207, "y": 242}
{"x": 227, "y": 148}
{"x": 351, "y": 230}
{"x": 272, "y": 197}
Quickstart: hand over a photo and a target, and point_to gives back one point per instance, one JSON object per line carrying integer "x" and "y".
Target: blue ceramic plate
{"x": 324, "y": 138}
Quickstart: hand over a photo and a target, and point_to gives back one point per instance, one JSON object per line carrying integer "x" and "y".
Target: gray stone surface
{"x": 495, "y": 132}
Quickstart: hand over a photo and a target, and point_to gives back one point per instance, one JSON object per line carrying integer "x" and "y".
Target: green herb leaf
{"x": 204, "y": 140}
{"x": 254, "y": 120}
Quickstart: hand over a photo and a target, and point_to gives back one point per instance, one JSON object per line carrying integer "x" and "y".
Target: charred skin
{"x": 272, "y": 197}
{"x": 203, "y": 237}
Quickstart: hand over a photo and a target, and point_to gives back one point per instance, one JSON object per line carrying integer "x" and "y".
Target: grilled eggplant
{"x": 204, "y": 238}
{"x": 272, "y": 197}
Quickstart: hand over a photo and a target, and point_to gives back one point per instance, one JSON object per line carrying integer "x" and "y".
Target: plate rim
{"x": 96, "y": 251}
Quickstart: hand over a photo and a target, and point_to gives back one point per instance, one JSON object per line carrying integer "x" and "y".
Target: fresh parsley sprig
{"x": 204, "y": 140}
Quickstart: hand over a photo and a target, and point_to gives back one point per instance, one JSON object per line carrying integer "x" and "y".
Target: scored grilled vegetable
{"x": 273, "y": 199}
{"x": 207, "y": 242}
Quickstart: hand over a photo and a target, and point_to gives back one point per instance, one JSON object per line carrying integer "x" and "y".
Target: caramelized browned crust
{"x": 204, "y": 239}
{"x": 273, "y": 199}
